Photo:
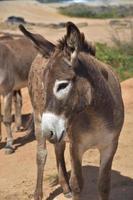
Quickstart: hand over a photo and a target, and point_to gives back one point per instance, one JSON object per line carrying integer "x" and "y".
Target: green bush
{"x": 107, "y": 11}
{"x": 118, "y": 58}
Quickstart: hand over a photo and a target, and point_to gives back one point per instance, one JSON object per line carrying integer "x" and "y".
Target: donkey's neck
{"x": 102, "y": 100}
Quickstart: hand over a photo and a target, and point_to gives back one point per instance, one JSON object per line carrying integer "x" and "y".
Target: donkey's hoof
{"x": 68, "y": 195}
{"x": 19, "y": 129}
{"x": 9, "y": 150}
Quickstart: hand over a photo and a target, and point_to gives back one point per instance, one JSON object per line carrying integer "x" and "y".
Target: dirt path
{"x": 18, "y": 171}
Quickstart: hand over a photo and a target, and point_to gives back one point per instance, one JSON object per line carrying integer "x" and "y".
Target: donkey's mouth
{"x": 62, "y": 135}
{"x": 53, "y": 138}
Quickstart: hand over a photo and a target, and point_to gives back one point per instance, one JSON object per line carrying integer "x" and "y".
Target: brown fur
{"x": 93, "y": 110}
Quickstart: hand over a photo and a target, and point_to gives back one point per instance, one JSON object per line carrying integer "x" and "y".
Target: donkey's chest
{"x": 90, "y": 130}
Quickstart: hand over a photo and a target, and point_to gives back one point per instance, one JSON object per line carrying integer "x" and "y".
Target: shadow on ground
{"x": 121, "y": 189}
{"x": 28, "y": 137}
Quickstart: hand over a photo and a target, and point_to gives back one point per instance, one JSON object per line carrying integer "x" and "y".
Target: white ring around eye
{"x": 62, "y": 93}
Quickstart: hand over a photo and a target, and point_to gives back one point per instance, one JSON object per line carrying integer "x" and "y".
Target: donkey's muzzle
{"x": 53, "y": 127}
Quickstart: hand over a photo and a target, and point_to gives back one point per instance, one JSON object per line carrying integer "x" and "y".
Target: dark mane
{"x": 86, "y": 46}
{"x": 61, "y": 43}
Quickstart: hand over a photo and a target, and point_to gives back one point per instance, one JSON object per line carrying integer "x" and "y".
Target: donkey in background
{"x": 17, "y": 101}
{"x": 16, "y": 57}
{"x": 75, "y": 94}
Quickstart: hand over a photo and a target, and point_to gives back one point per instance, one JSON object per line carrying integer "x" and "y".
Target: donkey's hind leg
{"x": 61, "y": 167}
{"x": 106, "y": 158}
{"x": 17, "y": 97}
{"x": 7, "y": 119}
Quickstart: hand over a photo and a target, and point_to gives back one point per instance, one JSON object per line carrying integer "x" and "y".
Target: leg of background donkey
{"x": 17, "y": 98}
{"x": 106, "y": 158}
{"x": 7, "y": 119}
{"x": 29, "y": 127}
{"x": 76, "y": 180}
{"x": 41, "y": 158}
{"x": 0, "y": 120}
{"x": 61, "y": 166}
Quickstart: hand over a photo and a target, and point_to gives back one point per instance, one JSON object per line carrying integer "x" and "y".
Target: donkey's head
{"x": 66, "y": 89}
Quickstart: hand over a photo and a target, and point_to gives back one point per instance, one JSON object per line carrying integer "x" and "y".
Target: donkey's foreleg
{"x": 7, "y": 119}
{"x": 106, "y": 158}
{"x": 61, "y": 167}
{"x": 40, "y": 159}
{"x": 17, "y": 97}
{"x": 76, "y": 180}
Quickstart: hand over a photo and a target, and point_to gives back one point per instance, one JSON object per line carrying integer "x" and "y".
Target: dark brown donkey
{"x": 75, "y": 94}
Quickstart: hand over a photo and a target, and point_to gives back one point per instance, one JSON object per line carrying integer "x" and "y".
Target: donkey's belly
{"x": 20, "y": 83}
{"x": 6, "y": 82}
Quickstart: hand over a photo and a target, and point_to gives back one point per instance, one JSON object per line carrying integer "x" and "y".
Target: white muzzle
{"x": 53, "y": 127}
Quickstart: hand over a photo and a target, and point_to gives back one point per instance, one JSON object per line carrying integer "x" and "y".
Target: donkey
{"x": 16, "y": 57}
{"x": 74, "y": 94}
{"x": 5, "y": 38}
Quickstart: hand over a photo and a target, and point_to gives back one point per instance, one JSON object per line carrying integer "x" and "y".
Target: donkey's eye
{"x": 62, "y": 86}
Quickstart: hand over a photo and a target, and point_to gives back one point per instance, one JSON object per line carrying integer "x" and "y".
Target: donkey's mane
{"x": 86, "y": 46}
{"x": 61, "y": 43}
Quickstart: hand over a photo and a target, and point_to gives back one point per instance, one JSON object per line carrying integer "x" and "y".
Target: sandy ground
{"x": 18, "y": 171}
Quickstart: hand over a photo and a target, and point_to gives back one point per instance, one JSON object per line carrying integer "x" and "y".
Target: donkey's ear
{"x": 73, "y": 40}
{"x": 44, "y": 46}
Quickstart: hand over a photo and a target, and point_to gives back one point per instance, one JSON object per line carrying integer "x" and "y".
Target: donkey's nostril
{"x": 51, "y": 134}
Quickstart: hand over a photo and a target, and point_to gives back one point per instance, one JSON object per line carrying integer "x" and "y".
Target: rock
{"x": 15, "y": 20}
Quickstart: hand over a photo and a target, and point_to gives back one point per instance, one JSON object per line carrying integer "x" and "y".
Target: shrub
{"x": 120, "y": 60}
{"x": 107, "y": 11}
